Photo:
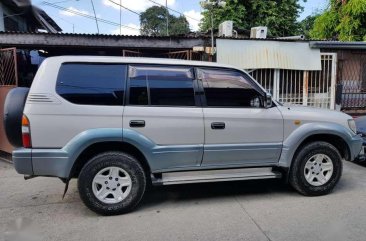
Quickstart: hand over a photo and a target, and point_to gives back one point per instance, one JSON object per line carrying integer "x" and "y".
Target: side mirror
{"x": 268, "y": 101}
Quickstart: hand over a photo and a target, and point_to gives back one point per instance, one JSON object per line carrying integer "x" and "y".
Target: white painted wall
{"x": 268, "y": 54}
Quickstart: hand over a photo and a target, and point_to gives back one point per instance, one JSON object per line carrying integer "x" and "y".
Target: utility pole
{"x": 167, "y": 18}
{"x": 120, "y": 17}
{"x": 95, "y": 16}
{"x": 212, "y": 34}
{"x": 210, "y": 5}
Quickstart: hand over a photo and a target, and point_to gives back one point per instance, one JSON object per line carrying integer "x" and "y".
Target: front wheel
{"x": 112, "y": 183}
{"x": 316, "y": 169}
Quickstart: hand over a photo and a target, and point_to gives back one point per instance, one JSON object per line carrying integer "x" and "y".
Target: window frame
{"x": 196, "y": 93}
{"x": 94, "y": 63}
{"x": 199, "y": 92}
{"x": 244, "y": 74}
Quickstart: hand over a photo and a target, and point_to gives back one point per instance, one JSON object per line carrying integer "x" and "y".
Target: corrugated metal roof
{"x": 46, "y": 21}
{"x": 337, "y": 45}
{"x": 246, "y": 54}
{"x": 46, "y": 40}
{"x": 187, "y": 36}
{"x": 101, "y": 35}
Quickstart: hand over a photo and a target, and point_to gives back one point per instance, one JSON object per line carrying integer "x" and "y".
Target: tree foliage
{"x": 153, "y": 22}
{"x": 307, "y": 24}
{"x": 178, "y": 25}
{"x": 280, "y": 16}
{"x": 343, "y": 20}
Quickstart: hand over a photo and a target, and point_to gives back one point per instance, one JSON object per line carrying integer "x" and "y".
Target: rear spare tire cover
{"x": 13, "y": 112}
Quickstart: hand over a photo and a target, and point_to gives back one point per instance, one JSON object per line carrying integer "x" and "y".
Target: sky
{"x": 64, "y": 12}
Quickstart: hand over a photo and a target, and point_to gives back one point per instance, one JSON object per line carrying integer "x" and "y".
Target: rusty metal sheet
{"x": 252, "y": 54}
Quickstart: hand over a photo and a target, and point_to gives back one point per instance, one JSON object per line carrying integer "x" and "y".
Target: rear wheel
{"x": 112, "y": 183}
{"x": 316, "y": 169}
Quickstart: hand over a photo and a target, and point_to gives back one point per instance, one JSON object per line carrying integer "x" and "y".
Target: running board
{"x": 223, "y": 175}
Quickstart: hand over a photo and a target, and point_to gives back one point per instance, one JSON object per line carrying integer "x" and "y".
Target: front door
{"x": 163, "y": 108}
{"x": 238, "y": 129}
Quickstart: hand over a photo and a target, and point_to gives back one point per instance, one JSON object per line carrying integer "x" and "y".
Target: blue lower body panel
{"x": 41, "y": 162}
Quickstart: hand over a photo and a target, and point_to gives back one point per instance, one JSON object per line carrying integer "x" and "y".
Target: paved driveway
{"x": 249, "y": 210}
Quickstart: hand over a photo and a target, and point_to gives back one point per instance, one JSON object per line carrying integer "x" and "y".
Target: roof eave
{"x": 45, "y": 20}
{"x": 337, "y": 45}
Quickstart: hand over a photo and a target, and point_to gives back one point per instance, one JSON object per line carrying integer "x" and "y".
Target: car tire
{"x": 101, "y": 173}
{"x": 13, "y": 112}
{"x": 316, "y": 169}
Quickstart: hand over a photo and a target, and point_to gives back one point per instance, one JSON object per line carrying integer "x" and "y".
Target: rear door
{"x": 162, "y": 106}
{"x": 238, "y": 129}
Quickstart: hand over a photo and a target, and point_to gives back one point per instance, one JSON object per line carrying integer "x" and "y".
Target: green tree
{"x": 343, "y": 20}
{"x": 178, "y": 25}
{"x": 153, "y": 22}
{"x": 234, "y": 10}
{"x": 280, "y": 16}
{"x": 307, "y": 24}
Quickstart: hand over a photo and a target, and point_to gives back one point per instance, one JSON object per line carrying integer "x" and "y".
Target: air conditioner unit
{"x": 226, "y": 29}
{"x": 258, "y": 32}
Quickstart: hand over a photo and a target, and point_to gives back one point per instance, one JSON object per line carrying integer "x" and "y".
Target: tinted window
{"x": 229, "y": 88}
{"x": 165, "y": 86}
{"x": 92, "y": 84}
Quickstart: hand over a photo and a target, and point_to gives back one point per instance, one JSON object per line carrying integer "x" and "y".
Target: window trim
{"x": 92, "y": 63}
{"x": 197, "y": 101}
{"x": 199, "y": 93}
{"x": 244, "y": 74}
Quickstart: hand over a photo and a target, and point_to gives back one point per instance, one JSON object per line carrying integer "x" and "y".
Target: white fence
{"x": 308, "y": 88}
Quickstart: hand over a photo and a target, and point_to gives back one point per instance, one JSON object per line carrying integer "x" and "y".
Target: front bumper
{"x": 355, "y": 146}
{"x": 362, "y": 156}
{"x": 42, "y": 162}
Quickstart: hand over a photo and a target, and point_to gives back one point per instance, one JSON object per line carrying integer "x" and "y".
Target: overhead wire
{"x": 87, "y": 16}
{"x": 120, "y": 5}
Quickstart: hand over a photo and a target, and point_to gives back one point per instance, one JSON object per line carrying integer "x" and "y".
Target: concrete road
{"x": 249, "y": 210}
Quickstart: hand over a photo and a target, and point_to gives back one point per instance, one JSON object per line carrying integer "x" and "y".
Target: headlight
{"x": 352, "y": 125}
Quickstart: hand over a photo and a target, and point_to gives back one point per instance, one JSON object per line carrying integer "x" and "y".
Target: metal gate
{"x": 8, "y": 67}
{"x": 183, "y": 54}
{"x": 8, "y": 80}
{"x": 130, "y": 53}
{"x": 308, "y": 88}
{"x": 352, "y": 77}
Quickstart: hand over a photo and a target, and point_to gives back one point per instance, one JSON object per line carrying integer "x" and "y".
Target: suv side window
{"x": 92, "y": 84}
{"x": 229, "y": 88}
{"x": 161, "y": 86}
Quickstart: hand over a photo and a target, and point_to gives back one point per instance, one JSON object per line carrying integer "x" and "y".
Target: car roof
{"x": 138, "y": 60}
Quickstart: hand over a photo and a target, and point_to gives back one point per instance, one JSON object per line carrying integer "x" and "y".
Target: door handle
{"x": 217, "y": 125}
{"x": 137, "y": 123}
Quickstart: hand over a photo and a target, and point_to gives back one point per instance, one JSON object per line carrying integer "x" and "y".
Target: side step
{"x": 223, "y": 175}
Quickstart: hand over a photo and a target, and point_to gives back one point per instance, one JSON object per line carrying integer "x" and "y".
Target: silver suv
{"x": 118, "y": 124}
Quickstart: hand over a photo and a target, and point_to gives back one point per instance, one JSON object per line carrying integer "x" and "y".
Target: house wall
{"x": 351, "y": 77}
{"x": 268, "y": 54}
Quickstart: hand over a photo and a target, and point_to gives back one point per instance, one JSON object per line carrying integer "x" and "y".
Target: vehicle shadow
{"x": 363, "y": 164}
{"x": 197, "y": 192}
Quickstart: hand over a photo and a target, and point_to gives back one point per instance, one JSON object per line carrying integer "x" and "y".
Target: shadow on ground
{"x": 363, "y": 163}
{"x": 197, "y": 192}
